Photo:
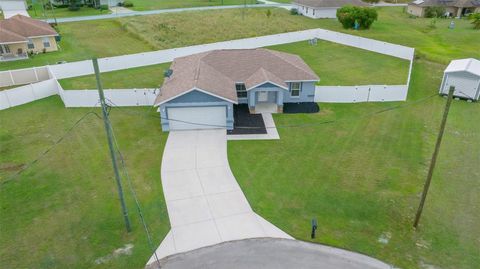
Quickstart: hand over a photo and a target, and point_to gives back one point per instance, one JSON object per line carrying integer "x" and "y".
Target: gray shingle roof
{"x": 18, "y": 28}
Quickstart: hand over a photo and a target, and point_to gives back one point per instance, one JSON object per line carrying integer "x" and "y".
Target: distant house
{"x": 318, "y": 9}
{"x": 20, "y": 35}
{"x": 97, "y": 3}
{"x": 464, "y": 74}
{"x": 453, "y": 8}
{"x": 11, "y": 8}
{"x": 202, "y": 88}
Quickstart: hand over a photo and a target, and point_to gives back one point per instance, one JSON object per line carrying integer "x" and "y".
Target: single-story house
{"x": 464, "y": 74}
{"x": 20, "y": 35}
{"x": 454, "y": 8}
{"x": 201, "y": 89}
{"x": 97, "y": 3}
{"x": 318, "y": 9}
{"x": 11, "y": 8}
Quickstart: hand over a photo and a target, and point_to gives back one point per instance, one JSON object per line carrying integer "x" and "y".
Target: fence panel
{"x": 28, "y": 93}
{"x": 115, "y": 97}
{"x": 364, "y": 93}
{"x": 23, "y": 76}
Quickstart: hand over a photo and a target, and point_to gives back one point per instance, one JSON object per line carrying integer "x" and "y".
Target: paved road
{"x": 152, "y": 12}
{"x": 270, "y": 253}
{"x": 204, "y": 201}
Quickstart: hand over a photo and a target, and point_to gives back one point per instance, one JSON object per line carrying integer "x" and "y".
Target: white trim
{"x": 8, "y": 43}
{"x": 42, "y": 36}
{"x": 302, "y": 80}
{"x": 267, "y": 81}
{"x": 191, "y": 90}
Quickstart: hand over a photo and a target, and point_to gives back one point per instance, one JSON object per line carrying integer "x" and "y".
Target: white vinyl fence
{"x": 82, "y": 68}
{"x": 23, "y": 76}
{"x": 28, "y": 93}
{"x": 366, "y": 93}
{"x": 145, "y": 97}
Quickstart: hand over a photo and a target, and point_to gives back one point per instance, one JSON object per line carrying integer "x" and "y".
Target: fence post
{"x": 11, "y": 77}
{"x": 35, "y": 71}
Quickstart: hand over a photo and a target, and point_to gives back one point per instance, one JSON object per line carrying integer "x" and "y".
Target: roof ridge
{"x": 28, "y": 20}
{"x": 287, "y": 61}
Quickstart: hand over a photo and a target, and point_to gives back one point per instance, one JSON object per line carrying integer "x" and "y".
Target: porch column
{"x": 280, "y": 94}
{"x": 251, "y": 101}
{"x": 459, "y": 12}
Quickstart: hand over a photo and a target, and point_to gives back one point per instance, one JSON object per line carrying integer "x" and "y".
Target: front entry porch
{"x": 268, "y": 100}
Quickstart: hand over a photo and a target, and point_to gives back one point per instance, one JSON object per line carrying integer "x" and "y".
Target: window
{"x": 313, "y": 12}
{"x": 295, "y": 88}
{"x": 46, "y": 42}
{"x": 4, "y": 49}
{"x": 30, "y": 44}
{"x": 241, "y": 90}
{"x": 307, "y": 10}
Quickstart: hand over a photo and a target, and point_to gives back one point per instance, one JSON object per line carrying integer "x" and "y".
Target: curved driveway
{"x": 204, "y": 201}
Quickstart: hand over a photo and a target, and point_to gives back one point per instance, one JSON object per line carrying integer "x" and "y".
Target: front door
{"x": 262, "y": 96}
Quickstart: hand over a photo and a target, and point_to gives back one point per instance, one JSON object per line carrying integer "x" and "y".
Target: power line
{"x": 45, "y": 152}
{"x": 135, "y": 197}
{"x": 292, "y": 125}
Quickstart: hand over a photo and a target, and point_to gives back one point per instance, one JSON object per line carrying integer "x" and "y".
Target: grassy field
{"x": 326, "y": 59}
{"x": 103, "y": 38}
{"x": 141, "y": 77}
{"x": 64, "y": 212}
{"x": 361, "y": 177}
{"x": 163, "y": 4}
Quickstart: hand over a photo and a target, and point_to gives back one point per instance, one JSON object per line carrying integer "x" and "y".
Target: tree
{"x": 475, "y": 18}
{"x": 364, "y": 16}
{"x": 268, "y": 13}
{"x": 435, "y": 12}
{"x": 74, "y": 5}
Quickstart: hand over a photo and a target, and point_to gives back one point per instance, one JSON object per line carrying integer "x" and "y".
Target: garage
{"x": 188, "y": 118}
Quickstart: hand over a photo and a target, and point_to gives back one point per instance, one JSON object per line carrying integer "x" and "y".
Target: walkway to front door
{"x": 205, "y": 203}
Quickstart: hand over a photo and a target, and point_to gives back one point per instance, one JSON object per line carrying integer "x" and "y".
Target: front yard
{"x": 164, "y": 4}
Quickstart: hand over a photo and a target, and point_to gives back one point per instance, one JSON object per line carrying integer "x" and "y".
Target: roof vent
{"x": 167, "y": 73}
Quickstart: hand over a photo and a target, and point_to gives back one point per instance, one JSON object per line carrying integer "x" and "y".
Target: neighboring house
{"x": 318, "y": 9}
{"x": 97, "y": 3}
{"x": 203, "y": 88}
{"x": 454, "y": 8}
{"x": 20, "y": 35}
{"x": 11, "y": 8}
{"x": 464, "y": 74}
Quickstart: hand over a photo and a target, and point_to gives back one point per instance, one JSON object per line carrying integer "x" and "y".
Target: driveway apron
{"x": 205, "y": 203}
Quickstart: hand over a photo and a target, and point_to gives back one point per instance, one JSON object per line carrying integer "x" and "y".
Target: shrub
{"x": 293, "y": 11}
{"x": 127, "y": 4}
{"x": 268, "y": 13}
{"x": 364, "y": 16}
{"x": 371, "y": 1}
{"x": 103, "y": 7}
{"x": 435, "y": 12}
{"x": 475, "y": 18}
{"x": 74, "y": 5}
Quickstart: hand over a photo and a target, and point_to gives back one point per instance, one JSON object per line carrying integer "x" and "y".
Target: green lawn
{"x": 103, "y": 38}
{"x": 326, "y": 59}
{"x": 164, "y": 4}
{"x": 64, "y": 212}
{"x": 362, "y": 176}
{"x": 141, "y": 77}
{"x": 38, "y": 12}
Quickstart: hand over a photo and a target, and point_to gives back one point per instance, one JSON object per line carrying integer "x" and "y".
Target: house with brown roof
{"x": 20, "y": 35}
{"x": 453, "y": 8}
{"x": 322, "y": 9}
{"x": 201, "y": 89}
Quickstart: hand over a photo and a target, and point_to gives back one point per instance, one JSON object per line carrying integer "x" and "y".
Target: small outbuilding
{"x": 323, "y": 9}
{"x": 464, "y": 74}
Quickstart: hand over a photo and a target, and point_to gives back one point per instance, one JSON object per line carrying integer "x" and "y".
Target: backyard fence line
{"x": 364, "y": 93}
{"x": 28, "y": 93}
{"x": 82, "y": 68}
{"x": 23, "y": 76}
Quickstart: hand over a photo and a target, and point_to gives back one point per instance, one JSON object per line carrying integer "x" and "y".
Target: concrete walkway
{"x": 153, "y": 12}
{"x": 271, "y": 253}
{"x": 204, "y": 201}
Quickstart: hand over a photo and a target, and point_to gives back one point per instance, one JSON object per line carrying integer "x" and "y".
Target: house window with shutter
{"x": 295, "y": 88}
{"x": 30, "y": 44}
{"x": 46, "y": 42}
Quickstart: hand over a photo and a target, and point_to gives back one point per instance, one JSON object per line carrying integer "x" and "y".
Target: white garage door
{"x": 188, "y": 118}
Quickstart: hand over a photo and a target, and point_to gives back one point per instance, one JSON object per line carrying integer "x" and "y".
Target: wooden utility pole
{"x": 434, "y": 157}
{"x": 108, "y": 129}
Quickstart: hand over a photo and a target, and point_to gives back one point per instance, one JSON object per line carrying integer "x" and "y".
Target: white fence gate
{"x": 23, "y": 76}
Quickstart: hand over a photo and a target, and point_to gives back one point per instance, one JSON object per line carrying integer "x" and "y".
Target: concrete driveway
{"x": 205, "y": 203}
{"x": 271, "y": 253}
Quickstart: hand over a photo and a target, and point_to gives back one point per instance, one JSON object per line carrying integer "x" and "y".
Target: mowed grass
{"x": 63, "y": 211}
{"x": 439, "y": 44}
{"x": 361, "y": 177}
{"x": 140, "y": 77}
{"x": 327, "y": 59}
{"x": 337, "y": 64}
{"x": 61, "y": 12}
{"x": 164, "y": 4}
